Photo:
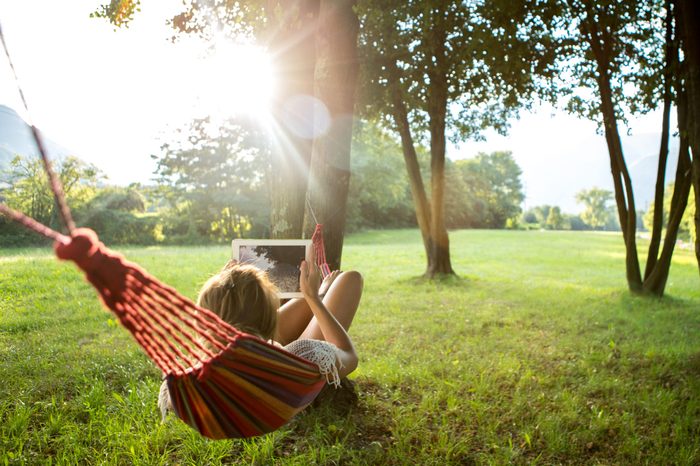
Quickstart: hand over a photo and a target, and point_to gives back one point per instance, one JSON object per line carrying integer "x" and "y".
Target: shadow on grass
{"x": 440, "y": 281}
{"x": 23, "y": 326}
{"x": 677, "y": 371}
{"x": 355, "y": 415}
{"x": 339, "y": 401}
{"x": 693, "y": 365}
{"x": 633, "y": 302}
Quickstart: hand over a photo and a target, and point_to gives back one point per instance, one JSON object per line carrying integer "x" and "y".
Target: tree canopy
{"x": 494, "y": 180}
{"x": 219, "y": 175}
{"x": 597, "y": 208}
{"x": 435, "y": 70}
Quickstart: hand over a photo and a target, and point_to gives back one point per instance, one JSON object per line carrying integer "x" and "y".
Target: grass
{"x": 535, "y": 354}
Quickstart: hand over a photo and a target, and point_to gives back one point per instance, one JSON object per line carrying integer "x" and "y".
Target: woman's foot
{"x": 327, "y": 282}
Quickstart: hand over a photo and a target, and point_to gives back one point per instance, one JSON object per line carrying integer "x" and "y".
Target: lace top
{"x": 321, "y": 353}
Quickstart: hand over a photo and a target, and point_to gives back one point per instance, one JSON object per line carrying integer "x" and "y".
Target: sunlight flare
{"x": 236, "y": 79}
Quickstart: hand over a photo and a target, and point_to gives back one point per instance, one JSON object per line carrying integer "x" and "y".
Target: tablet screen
{"x": 280, "y": 259}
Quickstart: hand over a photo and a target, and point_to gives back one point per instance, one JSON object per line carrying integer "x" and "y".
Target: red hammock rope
{"x": 320, "y": 250}
{"x": 32, "y": 224}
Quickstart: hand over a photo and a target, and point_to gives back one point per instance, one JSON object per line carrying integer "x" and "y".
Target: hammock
{"x": 222, "y": 382}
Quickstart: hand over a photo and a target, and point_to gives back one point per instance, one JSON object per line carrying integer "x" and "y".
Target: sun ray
{"x": 236, "y": 79}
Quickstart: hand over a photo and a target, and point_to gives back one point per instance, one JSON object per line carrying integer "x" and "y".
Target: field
{"x": 534, "y": 354}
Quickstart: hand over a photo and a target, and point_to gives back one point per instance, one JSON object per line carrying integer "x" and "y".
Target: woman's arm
{"x": 332, "y": 331}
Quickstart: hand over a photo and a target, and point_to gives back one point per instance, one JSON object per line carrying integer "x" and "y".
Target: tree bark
{"x": 688, "y": 18}
{"x": 292, "y": 45}
{"x": 420, "y": 199}
{"x": 696, "y": 217}
{"x": 439, "y": 260}
{"x": 624, "y": 197}
{"x": 655, "y": 280}
{"x": 657, "y": 223}
{"x": 336, "y": 74}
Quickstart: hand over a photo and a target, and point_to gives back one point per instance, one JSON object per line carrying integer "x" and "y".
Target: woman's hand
{"x": 310, "y": 278}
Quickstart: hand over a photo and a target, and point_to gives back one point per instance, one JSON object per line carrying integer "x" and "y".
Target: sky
{"x": 102, "y": 94}
{"x": 112, "y": 97}
{"x": 561, "y": 155}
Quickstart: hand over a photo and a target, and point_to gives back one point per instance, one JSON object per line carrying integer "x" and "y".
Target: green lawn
{"x": 536, "y": 354}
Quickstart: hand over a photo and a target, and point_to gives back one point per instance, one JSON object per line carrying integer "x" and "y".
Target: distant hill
{"x": 642, "y": 154}
{"x": 16, "y": 139}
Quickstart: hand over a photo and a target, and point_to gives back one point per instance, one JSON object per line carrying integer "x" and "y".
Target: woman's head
{"x": 244, "y": 297}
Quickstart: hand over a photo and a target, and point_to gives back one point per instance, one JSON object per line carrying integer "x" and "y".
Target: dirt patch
{"x": 339, "y": 400}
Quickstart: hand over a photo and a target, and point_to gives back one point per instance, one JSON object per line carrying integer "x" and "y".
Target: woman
{"x": 313, "y": 327}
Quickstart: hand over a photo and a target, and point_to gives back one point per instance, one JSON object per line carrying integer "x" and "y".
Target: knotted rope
{"x": 317, "y": 242}
{"x": 175, "y": 333}
{"x": 54, "y": 182}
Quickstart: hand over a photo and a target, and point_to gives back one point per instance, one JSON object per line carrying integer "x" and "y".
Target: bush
{"x": 118, "y": 227}
{"x": 576, "y": 223}
{"x": 13, "y": 235}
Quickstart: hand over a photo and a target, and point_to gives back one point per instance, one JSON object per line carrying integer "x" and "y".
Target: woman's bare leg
{"x": 294, "y": 316}
{"x": 342, "y": 300}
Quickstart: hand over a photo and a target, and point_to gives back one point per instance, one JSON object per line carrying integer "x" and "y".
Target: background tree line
{"x": 432, "y": 71}
{"x": 213, "y": 184}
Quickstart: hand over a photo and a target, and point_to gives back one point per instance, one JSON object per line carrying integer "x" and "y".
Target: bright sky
{"x": 111, "y": 97}
{"x": 560, "y": 155}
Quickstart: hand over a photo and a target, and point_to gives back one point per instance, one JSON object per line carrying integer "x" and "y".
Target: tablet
{"x": 280, "y": 258}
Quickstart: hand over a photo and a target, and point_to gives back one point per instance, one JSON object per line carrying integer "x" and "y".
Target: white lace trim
{"x": 321, "y": 353}
{"x": 164, "y": 402}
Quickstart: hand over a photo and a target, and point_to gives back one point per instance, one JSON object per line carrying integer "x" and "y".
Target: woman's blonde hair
{"x": 243, "y": 296}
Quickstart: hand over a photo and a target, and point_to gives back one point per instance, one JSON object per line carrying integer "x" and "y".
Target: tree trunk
{"x": 439, "y": 258}
{"x": 292, "y": 45}
{"x": 656, "y": 282}
{"x": 420, "y": 199}
{"x": 688, "y": 18}
{"x": 624, "y": 197}
{"x": 335, "y": 84}
{"x": 696, "y": 218}
{"x": 657, "y": 224}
